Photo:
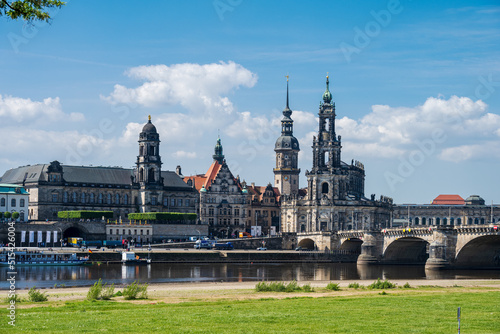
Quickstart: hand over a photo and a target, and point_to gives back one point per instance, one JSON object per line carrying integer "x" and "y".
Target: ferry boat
{"x": 131, "y": 258}
{"x": 41, "y": 258}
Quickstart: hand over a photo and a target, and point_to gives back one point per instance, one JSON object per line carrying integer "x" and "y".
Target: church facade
{"x": 334, "y": 199}
{"x": 146, "y": 188}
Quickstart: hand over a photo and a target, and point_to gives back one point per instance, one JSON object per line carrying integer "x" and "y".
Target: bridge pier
{"x": 441, "y": 250}
{"x": 371, "y": 249}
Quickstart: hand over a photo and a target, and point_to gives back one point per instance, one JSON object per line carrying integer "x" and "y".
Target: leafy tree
{"x": 29, "y": 10}
{"x": 7, "y": 214}
{"x": 15, "y": 215}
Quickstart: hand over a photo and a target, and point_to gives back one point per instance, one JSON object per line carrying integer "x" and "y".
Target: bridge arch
{"x": 352, "y": 244}
{"x": 480, "y": 252}
{"x": 406, "y": 250}
{"x": 307, "y": 244}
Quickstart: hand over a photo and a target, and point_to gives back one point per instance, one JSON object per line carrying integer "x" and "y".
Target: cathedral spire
{"x": 287, "y": 112}
{"x": 218, "y": 156}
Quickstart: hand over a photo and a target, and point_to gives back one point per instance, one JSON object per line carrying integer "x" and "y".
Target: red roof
{"x": 448, "y": 200}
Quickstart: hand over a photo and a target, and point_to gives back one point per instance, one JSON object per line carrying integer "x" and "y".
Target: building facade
{"x": 334, "y": 199}
{"x": 265, "y": 208}
{"x": 146, "y": 188}
{"x": 447, "y": 210}
{"x": 14, "y": 198}
{"x": 224, "y": 201}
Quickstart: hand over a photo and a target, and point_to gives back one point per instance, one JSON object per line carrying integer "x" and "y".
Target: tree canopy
{"x": 29, "y": 10}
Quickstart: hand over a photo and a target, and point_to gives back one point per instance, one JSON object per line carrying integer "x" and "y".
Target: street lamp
{"x": 61, "y": 237}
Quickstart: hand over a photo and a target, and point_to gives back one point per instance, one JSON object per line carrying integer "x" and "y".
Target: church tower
{"x": 149, "y": 160}
{"x": 286, "y": 173}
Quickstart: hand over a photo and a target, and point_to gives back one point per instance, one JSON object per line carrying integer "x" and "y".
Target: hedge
{"x": 162, "y": 216}
{"x": 85, "y": 214}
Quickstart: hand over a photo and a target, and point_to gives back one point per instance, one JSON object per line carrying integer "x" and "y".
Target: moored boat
{"x": 131, "y": 258}
{"x": 40, "y": 258}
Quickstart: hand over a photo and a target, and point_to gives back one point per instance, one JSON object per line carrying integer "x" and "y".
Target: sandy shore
{"x": 183, "y": 292}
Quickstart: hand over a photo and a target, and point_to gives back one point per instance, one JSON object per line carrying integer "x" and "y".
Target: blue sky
{"x": 416, "y": 85}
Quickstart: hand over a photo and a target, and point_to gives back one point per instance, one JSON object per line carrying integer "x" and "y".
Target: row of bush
{"x": 163, "y": 216}
{"x": 98, "y": 291}
{"x": 293, "y": 286}
{"x": 7, "y": 215}
{"x": 84, "y": 214}
{"x": 131, "y": 291}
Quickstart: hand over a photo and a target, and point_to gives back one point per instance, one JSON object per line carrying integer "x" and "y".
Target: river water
{"x": 73, "y": 276}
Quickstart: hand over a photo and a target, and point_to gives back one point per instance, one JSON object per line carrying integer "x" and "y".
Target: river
{"x": 74, "y": 276}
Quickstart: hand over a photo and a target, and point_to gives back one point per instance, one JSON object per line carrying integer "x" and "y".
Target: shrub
{"x": 407, "y": 286}
{"x": 108, "y": 293}
{"x": 15, "y": 215}
{"x": 14, "y": 297}
{"x": 378, "y": 284}
{"x": 307, "y": 288}
{"x": 355, "y": 286}
{"x": 280, "y": 287}
{"x": 95, "y": 291}
{"x": 37, "y": 296}
{"x": 85, "y": 214}
{"x": 135, "y": 290}
{"x": 383, "y": 293}
{"x": 333, "y": 286}
{"x": 163, "y": 216}
{"x": 292, "y": 286}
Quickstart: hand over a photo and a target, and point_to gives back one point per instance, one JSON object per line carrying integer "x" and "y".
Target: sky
{"x": 416, "y": 86}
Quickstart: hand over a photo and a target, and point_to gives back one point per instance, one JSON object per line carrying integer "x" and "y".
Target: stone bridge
{"x": 437, "y": 247}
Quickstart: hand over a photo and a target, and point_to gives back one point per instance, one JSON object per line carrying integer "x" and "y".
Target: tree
{"x": 7, "y": 214}
{"x": 29, "y": 10}
{"x": 15, "y": 215}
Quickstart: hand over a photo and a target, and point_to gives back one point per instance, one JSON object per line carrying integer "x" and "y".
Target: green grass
{"x": 409, "y": 311}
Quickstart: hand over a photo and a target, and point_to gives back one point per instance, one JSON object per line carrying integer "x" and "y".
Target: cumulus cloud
{"x": 199, "y": 88}
{"x": 20, "y": 110}
{"x": 392, "y": 131}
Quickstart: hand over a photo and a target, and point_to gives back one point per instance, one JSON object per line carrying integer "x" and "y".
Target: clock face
{"x": 285, "y": 178}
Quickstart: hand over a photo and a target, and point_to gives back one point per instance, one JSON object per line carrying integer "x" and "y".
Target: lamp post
{"x": 61, "y": 237}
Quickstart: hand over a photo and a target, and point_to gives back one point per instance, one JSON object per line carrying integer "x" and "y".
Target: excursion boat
{"x": 131, "y": 258}
{"x": 41, "y": 258}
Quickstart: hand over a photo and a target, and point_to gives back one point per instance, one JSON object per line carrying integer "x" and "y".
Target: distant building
{"x": 224, "y": 200}
{"x": 55, "y": 187}
{"x": 447, "y": 210}
{"x": 335, "y": 199}
{"x": 14, "y": 198}
{"x": 265, "y": 208}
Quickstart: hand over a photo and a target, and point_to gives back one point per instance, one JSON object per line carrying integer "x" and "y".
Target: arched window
{"x": 125, "y": 199}
{"x": 117, "y": 199}
{"x": 91, "y": 199}
{"x": 470, "y": 221}
{"x": 459, "y": 221}
{"x": 151, "y": 175}
{"x": 438, "y": 221}
{"x": 417, "y": 220}
{"x": 13, "y": 202}
{"x": 476, "y": 221}
{"x": 141, "y": 174}
{"x": 83, "y": 198}
{"x": 324, "y": 188}
{"x": 445, "y": 221}
{"x": 109, "y": 199}
{"x": 74, "y": 197}
{"x": 100, "y": 198}
{"x": 21, "y": 202}
{"x": 2, "y": 202}
{"x": 482, "y": 220}
{"x": 423, "y": 221}
{"x": 65, "y": 197}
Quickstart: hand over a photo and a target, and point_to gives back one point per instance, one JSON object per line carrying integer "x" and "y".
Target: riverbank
{"x": 426, "y": 306}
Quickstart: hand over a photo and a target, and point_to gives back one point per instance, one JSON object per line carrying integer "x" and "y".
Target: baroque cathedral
{"x": 334, "y": 199}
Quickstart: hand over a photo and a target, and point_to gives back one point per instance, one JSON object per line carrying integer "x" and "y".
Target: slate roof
{"x": 85, "y": 174}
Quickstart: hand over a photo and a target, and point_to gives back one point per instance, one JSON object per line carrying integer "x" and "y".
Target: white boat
{"x": 40, "y": 258}
{"x": 131, "y": 258}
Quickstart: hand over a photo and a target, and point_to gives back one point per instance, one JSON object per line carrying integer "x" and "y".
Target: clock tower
{"x": 286, "y": 173}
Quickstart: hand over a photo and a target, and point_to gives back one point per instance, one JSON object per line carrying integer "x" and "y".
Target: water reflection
{"x": 44, "y": 277}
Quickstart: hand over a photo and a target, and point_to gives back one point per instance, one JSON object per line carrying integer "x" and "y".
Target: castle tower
{"x": 218, "y": 156}
{"x": 286, "y": 173}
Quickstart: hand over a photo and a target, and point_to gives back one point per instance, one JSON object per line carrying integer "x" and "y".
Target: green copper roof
{"x": 327, "y": 96}
{"x": 12, "y": 189}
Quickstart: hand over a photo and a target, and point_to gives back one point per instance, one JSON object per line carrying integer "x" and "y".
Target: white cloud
{"x": 21, "y": 110}
{"x": 199, "y": 88}
{"x": 392, "y": 131}
{"x": 184, "y": 154}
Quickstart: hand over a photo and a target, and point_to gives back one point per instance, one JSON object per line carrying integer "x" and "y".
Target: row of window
{"x": 444, "y": 221}
{"x": 173, "y": 201}
{"x": 238, "y": 200}
{"x": 13, "y": 202}
{"x": 224, "y": 221}
{"x": 124, "y": 231}
{"x": 91, "y": 198}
